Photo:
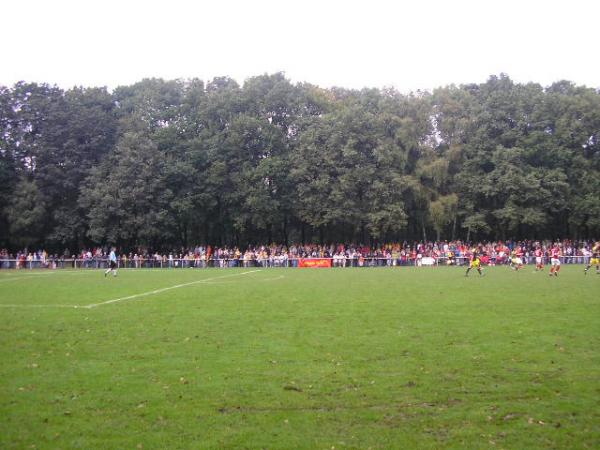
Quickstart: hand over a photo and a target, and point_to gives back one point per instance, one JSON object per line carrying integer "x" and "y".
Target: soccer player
{"x": 516, "y": 262}
{"x": 555, "y": 260}
{"x": 112, "y": 258}
{"x": 595, "y": 259}
{"x": 474, "y": 263}
{"x": 450, "y": 255}
{"x": 539, "y": 259}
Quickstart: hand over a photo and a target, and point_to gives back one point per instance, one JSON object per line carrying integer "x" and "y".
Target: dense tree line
{"x": 166, "y": 164}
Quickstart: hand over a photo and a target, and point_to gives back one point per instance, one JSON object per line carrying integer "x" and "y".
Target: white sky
{"x": 409, "y": 45}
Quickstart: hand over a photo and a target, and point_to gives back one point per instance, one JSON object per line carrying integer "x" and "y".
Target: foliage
{"x": 175, "y": 163}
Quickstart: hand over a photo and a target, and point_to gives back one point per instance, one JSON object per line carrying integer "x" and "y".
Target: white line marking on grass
{"x": 158, "y": 291}
{"x": 232, "y": 281}
{"x": 78, "y": 271}
{"x": 2, "y": 280}
{"x": 22, "y": 272}
{"x": 38, "y": 306}
{"x": 130, "y": 297}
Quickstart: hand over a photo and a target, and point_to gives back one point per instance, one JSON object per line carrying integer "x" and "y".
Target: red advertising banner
{"x": 314, "y": 262}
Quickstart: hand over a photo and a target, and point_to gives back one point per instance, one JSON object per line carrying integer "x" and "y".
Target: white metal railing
{"x": 276, "y": 261}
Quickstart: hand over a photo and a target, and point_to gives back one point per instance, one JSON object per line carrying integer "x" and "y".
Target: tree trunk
{"x": 453, "y": 228}
{"x": 284, "y": 231}
{"x": 184, "y": 235}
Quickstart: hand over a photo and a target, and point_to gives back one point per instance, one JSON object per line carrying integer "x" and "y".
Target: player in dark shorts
{"x": 474, "y": 263}
{"x": 595, "y": 259}
{"x": 112, "y": 260}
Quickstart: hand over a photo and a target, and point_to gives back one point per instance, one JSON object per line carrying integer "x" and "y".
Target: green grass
{"x": 301, "y": 358}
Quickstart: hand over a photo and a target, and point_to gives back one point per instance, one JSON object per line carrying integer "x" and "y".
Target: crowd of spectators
{"x": 341, "y": 255}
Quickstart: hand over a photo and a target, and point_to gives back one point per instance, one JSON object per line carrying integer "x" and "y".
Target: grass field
{"x": 300, "y": 358}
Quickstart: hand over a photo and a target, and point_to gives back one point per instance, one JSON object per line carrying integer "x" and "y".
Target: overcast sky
{"x": 409, "y": 45}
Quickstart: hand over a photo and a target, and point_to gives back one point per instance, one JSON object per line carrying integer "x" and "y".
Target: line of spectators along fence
{"x": 271, "y": 262}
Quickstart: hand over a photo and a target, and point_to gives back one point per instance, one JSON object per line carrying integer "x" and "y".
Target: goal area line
{"x": 130, "y": 297}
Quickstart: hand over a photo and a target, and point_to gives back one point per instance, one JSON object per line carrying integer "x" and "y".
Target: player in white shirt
{"x": 112, "y": 260}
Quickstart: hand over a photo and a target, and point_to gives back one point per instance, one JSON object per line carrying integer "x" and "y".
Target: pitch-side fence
{"x": 276, "y": 261}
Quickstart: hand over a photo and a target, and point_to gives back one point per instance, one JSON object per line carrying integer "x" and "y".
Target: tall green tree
{"x": 25, "y": 215}
{"x": 127, "y": 199}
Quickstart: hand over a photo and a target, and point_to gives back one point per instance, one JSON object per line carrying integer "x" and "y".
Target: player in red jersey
{"x": 520, "y": 253}
{"x": 539, "y": 259}
{"x": 555, "y": 260}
